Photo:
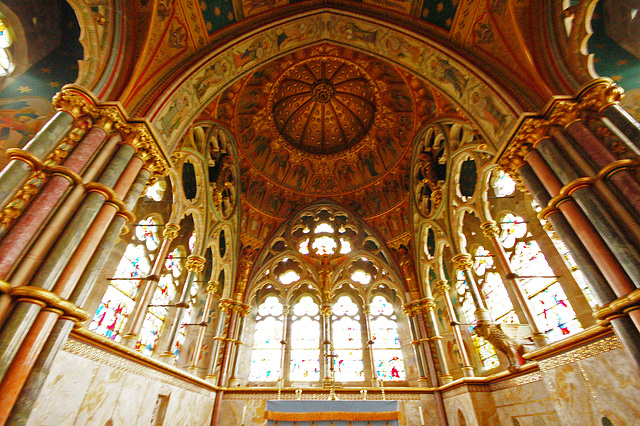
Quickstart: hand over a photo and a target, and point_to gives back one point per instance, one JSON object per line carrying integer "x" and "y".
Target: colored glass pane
{"x": 324, "y": 245}
{"x": 345, "y": 306}
{"x": 156, "y": 191}
{"x": 112, "y": 313}
{"x": 347, "y": 341}
{"x": 192, "y": 241}
{"x": 324, "y": 228}
{"x": 502, "y": 184}
{"x": 304, "y": 246}
{"x": 305, "y": 341}
{"x": 147, "y": 231}
{"x": 266, "y": 355}
{"x": 496, "y": 296}
{"x": 174, "y": 262}
{"x": 386, "y": 348}
{"x": 513, "y": 227}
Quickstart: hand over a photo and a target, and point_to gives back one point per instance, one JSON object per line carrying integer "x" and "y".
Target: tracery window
{"x": 305, "y": 341}
{"x": 325, "y": 263}
{"x": 384, "y": 333}
{"x": 6, "y": 40}
{"x": 347, "y": 340}
{"x": 154, "y": 319}
{"x": 266, "y": 354}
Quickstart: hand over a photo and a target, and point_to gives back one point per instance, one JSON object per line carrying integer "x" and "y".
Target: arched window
{"x": 6, "y": 40}
{"x": 347, "y": 340}
{"x": 384, "y": 333}
{"x": 154, "y": 320}
{"x": 266, "y": 355}
{"x": 305, "y": 341}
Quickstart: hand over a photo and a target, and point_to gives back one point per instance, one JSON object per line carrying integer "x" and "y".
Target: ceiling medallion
{"x": 324, "y": 106}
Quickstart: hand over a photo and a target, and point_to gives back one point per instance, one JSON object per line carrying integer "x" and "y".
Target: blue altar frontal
{"x": 332, "y": 413}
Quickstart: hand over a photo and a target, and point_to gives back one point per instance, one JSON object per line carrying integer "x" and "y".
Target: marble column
{"x": 418, "y": 350}
{"x": 24, "y": 313}
{"x": 285, "y": 349}
{"x": 368, "y": 357}
{"x": 33, "y": 217}
{"x": 147, "y": 287}
{"x": 194, "y": 265}
{"x": 326, "y": 353}
{"x": 599, "y": 215}
{"x": 217, "y": 345}
{"x": 211, "y": 289}
{"x": 597, "y": 283}
{"x": 443, "y": 288}
{"x": 37, "y": 149}
{"x": 31, "y": 389}
{"x": 428, "y": 307}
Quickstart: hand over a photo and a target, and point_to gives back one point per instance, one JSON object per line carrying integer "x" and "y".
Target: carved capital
{"x": 76, "y": 102}
{"x": 443, "y": 287}
{"x": 212, "y": 287}
{"x": 195, "y": 263}
{"x": 325, "y": 310}
{"x": 490, "y": 229}
{"x": 600, "y": 95}
{"x": 170, "y": 231}
{"x": 462, "y": 261}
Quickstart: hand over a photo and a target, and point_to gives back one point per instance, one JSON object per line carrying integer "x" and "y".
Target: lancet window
{"x": 342, "y": 323}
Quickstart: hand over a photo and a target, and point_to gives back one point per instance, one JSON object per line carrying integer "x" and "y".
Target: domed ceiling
{"x": 326, "y": 122}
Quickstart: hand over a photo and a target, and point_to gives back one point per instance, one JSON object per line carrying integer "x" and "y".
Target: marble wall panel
{"x": 526, "y": 403}
{"x": 63, "y": 391}
{"x": 410, "y": 412}
{"x": 462, "y": 403}
{"x": 484, "y": 408}
{"x": 99, "y": 400}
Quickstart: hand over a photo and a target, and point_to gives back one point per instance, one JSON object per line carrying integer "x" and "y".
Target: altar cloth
{"x": 336, "y": 413}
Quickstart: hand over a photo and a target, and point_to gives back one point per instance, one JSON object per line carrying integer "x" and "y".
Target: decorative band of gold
{"x": 50, "y": 301}
{"x": 107, "y": 192}
{"x": 622, "y": 305}
{"x": 26, "y": 157}
{"x": 615, "y": 167}
{"x": 70, "y": 175}
{"x": 5, "y": 287}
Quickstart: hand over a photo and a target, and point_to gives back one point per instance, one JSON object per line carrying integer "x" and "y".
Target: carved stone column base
{"x": 446, "y": 379}
{"x": 167, "y": 357}
{"x": 540, "y": 340}
{"x": 423, "y": 382}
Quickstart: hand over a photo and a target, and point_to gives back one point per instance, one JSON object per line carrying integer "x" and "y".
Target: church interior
{"x": 320, "y": 212}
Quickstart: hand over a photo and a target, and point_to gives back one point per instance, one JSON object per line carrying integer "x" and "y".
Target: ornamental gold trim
{"x": 108, "y": 193}
{"x": 588, "y": 351}
{"x": 26, "y": 157}
{"x": 5, "y": 287}
{"x": 195, "y": 263}
{"x": 49, "y": 301}
{"x": 231, "y": 305}
{"x": 622, "y": 305}
{"x": 462, "y": 261}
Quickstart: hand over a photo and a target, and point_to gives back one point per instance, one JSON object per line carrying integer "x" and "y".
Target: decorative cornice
{"x": 231, "y": 305}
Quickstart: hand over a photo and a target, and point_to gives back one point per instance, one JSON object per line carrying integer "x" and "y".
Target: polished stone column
{"x": 33, "y": 217}
{"x": 491, "y": 231}
{"x": 599, "y": 215}
{"x": 64, "y": 325}
{"x": 24, "y": 314}
{"x": 212, "y": 287}
{"x": 368, "y": 357}
{"x": 147, "y": 288}
{"x": 597, "y": 283}
{"x": 428, "y": 307}
{"x": 285, "y": 349}
{"x": 443, "y": 288}
{"x": 222, "y": 326}
{"x": 326, "y": 352}
{"x": 418, "y": 350}
{"x": 236, "y": 342}
{"x": 194, "y": 265}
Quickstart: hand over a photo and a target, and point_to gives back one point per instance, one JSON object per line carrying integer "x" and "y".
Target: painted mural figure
{"x": 446, "y": 73}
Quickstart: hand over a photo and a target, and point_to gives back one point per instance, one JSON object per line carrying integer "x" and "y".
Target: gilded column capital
{"x": 170, "y": 231}
{"x": 286, "y": 309}
{"x": 462, "y": 261}
{"x": 490, "y": 229}
{"x": 443, "y": 287}
{"x": 564, "y": 113}
{"x": 408, "y": 310}
{"x": 212, "y": 287}
{"x": 195, "y": 263}
{"x": 325, "y": 310}
{"x": 600, "y": 94}
{"x": 75, "y": 101}
{"x": 366, "y": 309}
{"x": 230, "y": 305}
{"x": 429, "y": 304}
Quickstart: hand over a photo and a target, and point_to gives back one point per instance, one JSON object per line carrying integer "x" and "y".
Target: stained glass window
{"x": 386, "y": 347}
{"x": 266, "y": 355}
{"x": 305, "y": 341}
{"x": 502, "y": 184}
{"x": 165, "y": 293}
{"x": 493, "y": 288}
{"x": 118, "y": 300}
{"x": 6, "y": 40}
{"x": 548, "y": 300}
{"x": 347, "y": 341}
{"x": 324, "y": 245}
{"x": 187, "y": 318}
{"x": 156, "y": 191}
{"x": 174, "y": 262}
{"x": 147, "y": 230}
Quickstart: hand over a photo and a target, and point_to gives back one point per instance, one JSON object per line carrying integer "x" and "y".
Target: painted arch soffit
{"x": 474, "y": 93}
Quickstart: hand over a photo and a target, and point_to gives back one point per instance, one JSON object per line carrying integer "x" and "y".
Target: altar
{"x": 336, "y": 413}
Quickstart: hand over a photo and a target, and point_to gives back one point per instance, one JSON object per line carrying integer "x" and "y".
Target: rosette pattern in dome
{"x": 324, "y": 106}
